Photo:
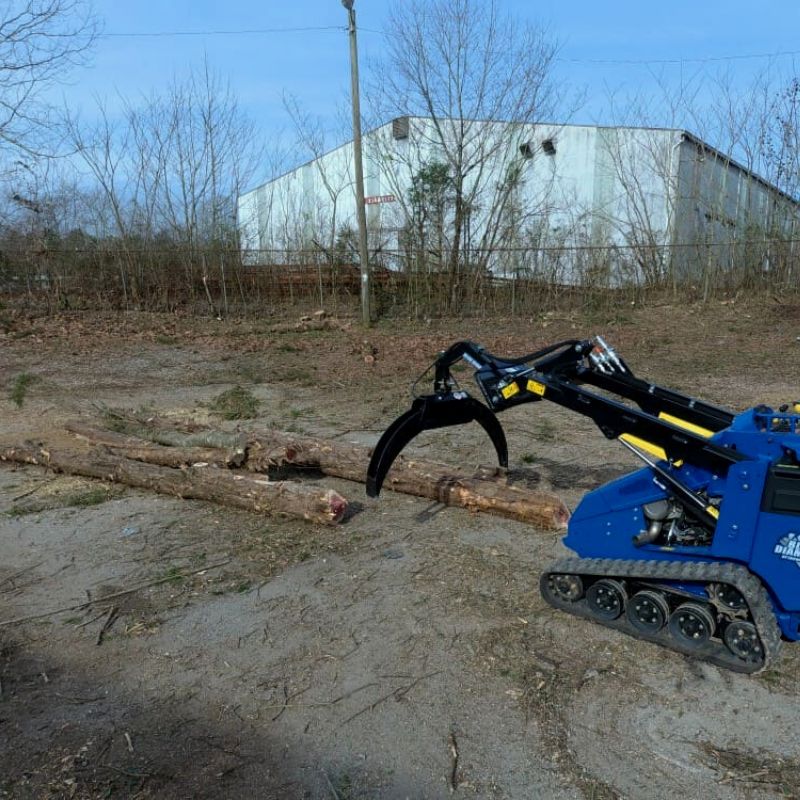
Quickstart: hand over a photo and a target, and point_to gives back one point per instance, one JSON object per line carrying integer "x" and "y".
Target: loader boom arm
{"x": 660, "y": 421}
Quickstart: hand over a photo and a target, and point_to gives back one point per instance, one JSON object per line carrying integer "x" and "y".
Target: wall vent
{"x": 400, "y": 127}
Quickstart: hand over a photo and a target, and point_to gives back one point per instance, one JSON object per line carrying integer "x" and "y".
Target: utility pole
{"x": 361, "y": 212}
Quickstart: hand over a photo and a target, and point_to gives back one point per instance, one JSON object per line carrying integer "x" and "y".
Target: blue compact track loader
{"x": 699, "y": 550}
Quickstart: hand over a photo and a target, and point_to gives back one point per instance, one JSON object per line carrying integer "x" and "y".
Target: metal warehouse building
{"x": 657, "y": 199}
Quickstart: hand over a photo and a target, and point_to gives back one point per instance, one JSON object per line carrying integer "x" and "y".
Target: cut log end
{"x": 337, "y": 505}
{"x": 561, "y": 517}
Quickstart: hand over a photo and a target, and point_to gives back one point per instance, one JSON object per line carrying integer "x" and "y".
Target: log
{"x": 212, "y": 448}
{"x": 308, "y": 324}
{"x": 485, "y": 489}
{"x": 176, "y": 457}
{"x": 200, "y": 483}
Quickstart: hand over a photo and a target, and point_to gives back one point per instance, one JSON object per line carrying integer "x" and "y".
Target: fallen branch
{"x": 20, "y": 573}
{"x": 91, "y": 620}
{"x": 306, "y": 324}
{"x": 113, "y": 596}
{"x": 111, "y": 618}
{"x": 331, "y": 786}
{"x": 398, "y": 693}
{"x": 452, "y": 778}
{"x": 197, "y": 482}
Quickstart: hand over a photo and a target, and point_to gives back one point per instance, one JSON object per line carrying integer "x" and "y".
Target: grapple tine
{"x": 389, "y": 446}
{"x": 428, "y": 413}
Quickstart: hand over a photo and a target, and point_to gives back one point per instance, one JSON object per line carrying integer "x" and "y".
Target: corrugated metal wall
{"x": 626, "y": 191}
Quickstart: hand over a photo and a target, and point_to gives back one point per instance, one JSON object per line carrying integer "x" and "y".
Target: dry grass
{"x": 64, "y": 492}
{"x": 752, "y": 770}
{"x": 545, "y": 691}
{"x": 236, "y": 403}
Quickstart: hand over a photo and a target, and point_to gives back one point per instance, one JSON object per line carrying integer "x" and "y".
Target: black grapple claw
{"x": 428, "y": 413}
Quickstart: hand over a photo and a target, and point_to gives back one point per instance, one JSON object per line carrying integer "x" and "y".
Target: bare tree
{"x": 40, "y": 41}
{"x": 724, "y": 226}
{"x": 311, "y": 137}
{"x": 464, "y": 67}
{"x": 170, "y": 170}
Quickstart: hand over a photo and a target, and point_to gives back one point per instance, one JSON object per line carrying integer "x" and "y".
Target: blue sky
{"x": 313, "y": 65}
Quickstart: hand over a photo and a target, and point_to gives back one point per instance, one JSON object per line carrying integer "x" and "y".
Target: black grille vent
{"x": 400, "y": 128}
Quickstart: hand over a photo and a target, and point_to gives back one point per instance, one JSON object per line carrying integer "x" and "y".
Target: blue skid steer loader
{"x": 699, "y": 550}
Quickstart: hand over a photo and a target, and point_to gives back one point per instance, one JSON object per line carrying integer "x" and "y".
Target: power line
{"x": 591, "y": 61}
{"x": 695, "y": 60}
{"x": 238, "y": 32}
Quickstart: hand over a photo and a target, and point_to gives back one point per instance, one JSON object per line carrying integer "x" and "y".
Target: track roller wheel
{"x": 692, "y": 624}
{"x": 742, "y": 640}
{"x": 727, "y": 596}
{"x": 606, "y": 598}
{"x": 647, "y": 611}
{"x": 567, "y": 588}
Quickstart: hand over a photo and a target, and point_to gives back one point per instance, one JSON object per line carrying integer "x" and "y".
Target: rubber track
{"x": 714, "y": 652}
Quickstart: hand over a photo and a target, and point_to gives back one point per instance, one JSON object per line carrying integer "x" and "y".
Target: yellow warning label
{"x": 687, "y": 426}
{"x": 713, "y": 510}
{"x": 510, "y": 390}
{"x": 536, "y": 387}
{"x": 648, "y": 447}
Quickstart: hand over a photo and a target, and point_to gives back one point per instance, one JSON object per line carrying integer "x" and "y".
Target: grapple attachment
{"x": 427, "y": 413}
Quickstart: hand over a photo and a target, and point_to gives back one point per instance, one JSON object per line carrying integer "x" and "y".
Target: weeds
{"x": 16, "y": 335}
{"x": 250, "y": 370}
{"x": 20, "y": 511}
{"x": 299, "y": 375}
{"x": 91, "y": 497}
{"x": 81, "y": 499}
{"x": 173, "y": 575}
{"x": 20, "y": 386}
{"x": 341, "y": 785}
{"x": 545, "y": 431}
{"x": 121, "y": 421}
{"x": 236, "y": 403}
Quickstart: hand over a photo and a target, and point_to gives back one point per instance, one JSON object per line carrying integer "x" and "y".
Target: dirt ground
{"x": 403, "y": 654}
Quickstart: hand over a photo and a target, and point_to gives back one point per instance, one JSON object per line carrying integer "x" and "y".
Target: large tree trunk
{"x": 201, "y": 483}
{"x": 485, "y": 489}
{"x": 481, "y": 490}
